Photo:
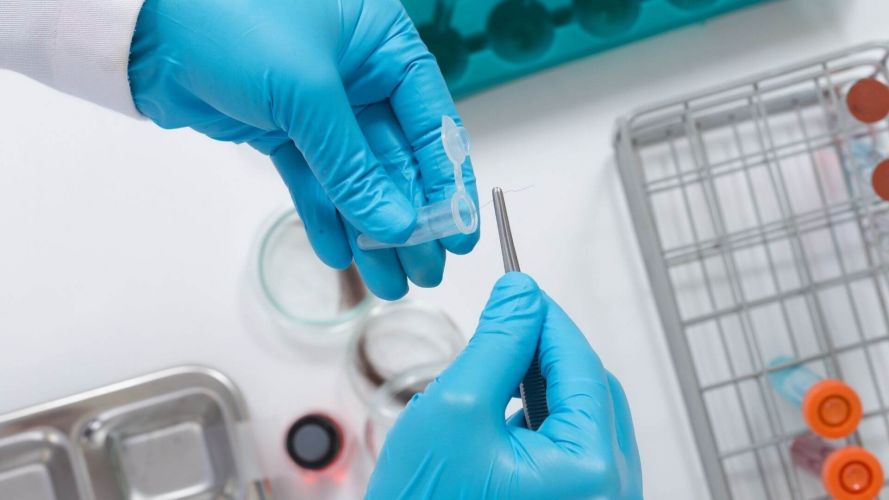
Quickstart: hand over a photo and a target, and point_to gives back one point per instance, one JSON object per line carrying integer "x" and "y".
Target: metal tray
{"x": 171, "y": 435}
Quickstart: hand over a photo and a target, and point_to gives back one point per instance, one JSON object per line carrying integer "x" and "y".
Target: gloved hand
{"x": 289, "y": 77}
{"x": 452, "y": 441}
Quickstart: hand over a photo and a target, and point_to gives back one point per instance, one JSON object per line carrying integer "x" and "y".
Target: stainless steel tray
{"x": 171, "y": 435}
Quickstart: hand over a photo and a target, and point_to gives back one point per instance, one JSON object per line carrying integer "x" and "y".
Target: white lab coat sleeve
{"x": 80, "y": 47}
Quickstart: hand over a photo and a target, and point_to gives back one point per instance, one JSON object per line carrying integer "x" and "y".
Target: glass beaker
{"x": 397, "y": 337}
{"x": 307, "y": 300}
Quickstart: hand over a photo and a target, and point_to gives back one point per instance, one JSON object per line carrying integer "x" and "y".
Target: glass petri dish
{"x": 307, "y": 299}
{"x": 391, "y": 399}
{"x": 397, "y": 337}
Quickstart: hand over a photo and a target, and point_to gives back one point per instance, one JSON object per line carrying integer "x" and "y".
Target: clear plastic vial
{"x": 793, "y": 382}
{"x": 455, "y": 215}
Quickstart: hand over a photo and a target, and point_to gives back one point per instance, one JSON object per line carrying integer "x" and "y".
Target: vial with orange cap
{"x": 847, "y": 473}
{"x": 830, "y": 407}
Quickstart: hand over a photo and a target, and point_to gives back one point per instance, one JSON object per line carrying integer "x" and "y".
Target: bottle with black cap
{"x": 315, "y": 442}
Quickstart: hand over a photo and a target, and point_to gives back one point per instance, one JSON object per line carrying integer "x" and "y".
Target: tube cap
{"x": 832, "y": 409}
{"x": 852, "y": 473}
{"x": 314, "y": 442}
{"x": 868, "y": 100}
{"x": 880, "y": 180}
{"x": 455, "y": 140}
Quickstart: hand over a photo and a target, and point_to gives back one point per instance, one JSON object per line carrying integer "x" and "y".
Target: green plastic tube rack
{"x": 482, "y": 43}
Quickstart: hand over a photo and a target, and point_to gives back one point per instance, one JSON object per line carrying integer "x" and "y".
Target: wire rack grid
{"x": 763, "y": 238}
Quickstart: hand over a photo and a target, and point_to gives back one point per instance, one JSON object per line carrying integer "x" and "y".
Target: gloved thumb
{"x": 493, "y": 364}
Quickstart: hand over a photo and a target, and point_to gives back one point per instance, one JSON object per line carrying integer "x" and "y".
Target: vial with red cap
{"x": 868, "y": 100}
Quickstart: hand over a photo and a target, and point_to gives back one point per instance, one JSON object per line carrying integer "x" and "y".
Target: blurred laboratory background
{"x": 700, "y": 183}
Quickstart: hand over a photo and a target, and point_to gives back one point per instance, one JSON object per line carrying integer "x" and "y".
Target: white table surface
{"x": 124, "y": 247}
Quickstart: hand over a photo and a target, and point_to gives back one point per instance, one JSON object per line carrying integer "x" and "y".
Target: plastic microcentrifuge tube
{"x": 847, "y": 473}
{"x": 830, "y": 407}
{"x": 457, "y": 215}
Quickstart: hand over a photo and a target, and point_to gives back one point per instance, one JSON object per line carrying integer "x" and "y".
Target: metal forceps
{"x": 533, "y": 386}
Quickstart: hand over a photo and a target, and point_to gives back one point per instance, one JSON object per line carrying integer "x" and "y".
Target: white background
{"x": 124, "y": 248}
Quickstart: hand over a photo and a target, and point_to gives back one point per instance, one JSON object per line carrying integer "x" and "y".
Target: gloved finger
{"x": 498, "y": 355}
{"x": 423, "y": 264}
{"x": 380, "y": 269}
{"x": 323, "y": 127}
{"x": 420, "y": 97}
{"x": 320, "y": 218}
{"x": 626, "y": 435}
{"x": 581, "y": 413}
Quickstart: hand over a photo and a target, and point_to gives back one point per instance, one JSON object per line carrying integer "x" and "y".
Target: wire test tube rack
{"x": 756, "y": 223}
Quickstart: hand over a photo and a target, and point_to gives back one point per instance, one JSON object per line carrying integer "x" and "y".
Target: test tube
{"x": 847, "y": 473}
{"x": 830, "y": 407}
{"x": 455, "y": 215}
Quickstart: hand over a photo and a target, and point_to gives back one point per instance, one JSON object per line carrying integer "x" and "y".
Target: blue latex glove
{"x": 342, "y": 94}
{"x": 452, "y": 442}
